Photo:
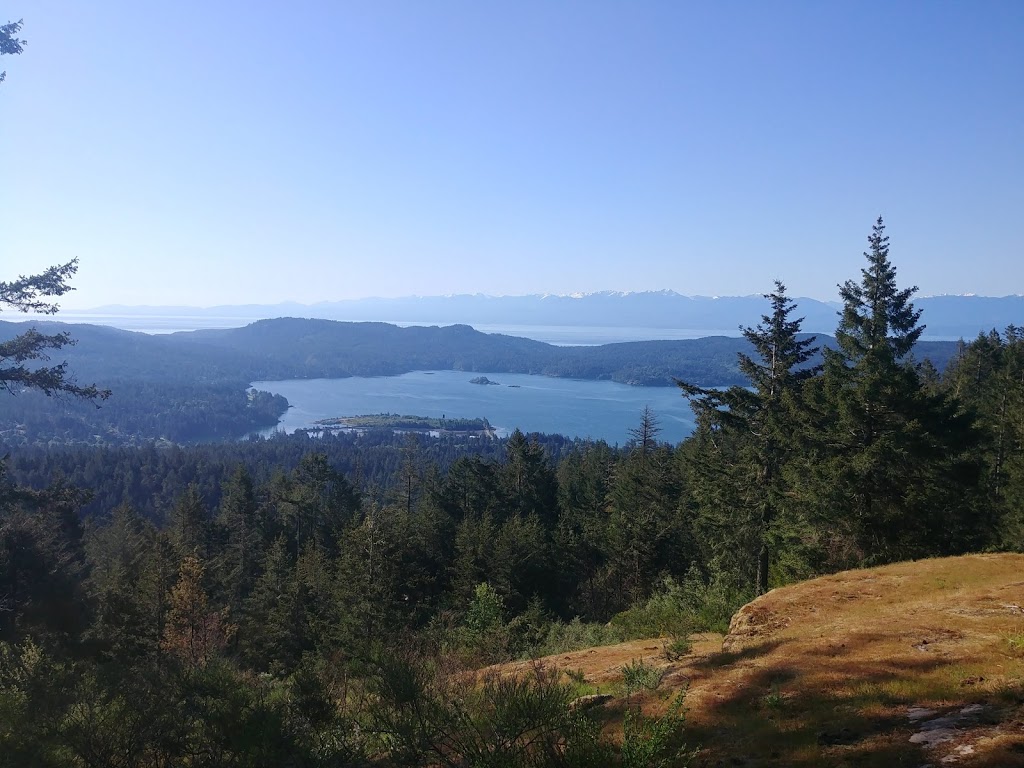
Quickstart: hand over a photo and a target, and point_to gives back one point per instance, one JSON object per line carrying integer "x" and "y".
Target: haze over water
{"x": 602, "y": 410}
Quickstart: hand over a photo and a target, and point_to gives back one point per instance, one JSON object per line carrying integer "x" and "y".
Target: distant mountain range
{"x": 945, "y": 316}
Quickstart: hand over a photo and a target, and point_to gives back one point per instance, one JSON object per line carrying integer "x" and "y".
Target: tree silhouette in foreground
{"x": 20, "y": 356}
{"x": 9, "y": 43}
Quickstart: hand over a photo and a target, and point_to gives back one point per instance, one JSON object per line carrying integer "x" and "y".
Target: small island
{"x": 424, "y": 424}
{"x": 483, "y": 380}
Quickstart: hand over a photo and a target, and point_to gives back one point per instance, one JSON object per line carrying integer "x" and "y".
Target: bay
{"x": 601, "y": 410}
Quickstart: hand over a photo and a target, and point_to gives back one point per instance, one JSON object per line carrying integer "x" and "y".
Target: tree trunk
{"x": 762, "y": 569}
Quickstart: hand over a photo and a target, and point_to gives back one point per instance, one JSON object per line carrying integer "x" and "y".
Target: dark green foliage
{"x": 748, "y": 436}
{"x": 132, "y": 570}
{"x": 895, "y": 458}
{"x": 679, "y": 607}
{"x": 9, "y": 42}
{"x": 527, "y": 478}
{"x": 273, "y": 634}
{"x": 988, "y": 379}
{"x": 647, "y": 535}
{"x": 189, "y": 524}
{"x": 438, "y": 718}
{"x": 241, "y": 535}
{"x": 42, "y": 564}
{"x": 656, "y": 743}
{"x": 151, "y": 477}
{"x": 21, "y": 355}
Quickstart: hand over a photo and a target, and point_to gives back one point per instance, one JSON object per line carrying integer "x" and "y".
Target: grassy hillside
{"x": 912, "y": 664}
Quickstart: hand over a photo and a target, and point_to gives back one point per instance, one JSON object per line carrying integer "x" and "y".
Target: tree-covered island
{"x": 408, "y": 424}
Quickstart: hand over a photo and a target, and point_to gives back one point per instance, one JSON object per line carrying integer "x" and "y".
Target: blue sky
{"x": 235, "y": 152}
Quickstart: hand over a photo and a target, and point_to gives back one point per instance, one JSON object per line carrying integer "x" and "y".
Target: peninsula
{"x": 393, "y": 421}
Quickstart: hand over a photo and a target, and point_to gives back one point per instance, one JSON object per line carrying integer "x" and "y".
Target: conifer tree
{"x": 189, "y": 523}
{"x": 411, "y": 472}
{"x": 320, "y": 504}
{"x": 759, "y": 424}
{"x": 242, "y": 549}
{"x": 580, "y": 537}
{"x": 121, "y": 555}
{"x": 988, "y": 378}
{"x": 891, "y": 447}
{"x": 42, "y": 564}
{"x": 194, "y": 632}
{"x": 646, "y": 534}
{"x": 273, "y": 627}
{"x": 528, "y": 479}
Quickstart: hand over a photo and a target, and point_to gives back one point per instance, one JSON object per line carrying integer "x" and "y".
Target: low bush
{"x": 639, "y": 674}
{"x": 655, "y": 742}
{"x": 425, "y": 715}
{"x": 677, "y": 647}
{"x": 576, "y": 635}
{"x": 679, "y": 609}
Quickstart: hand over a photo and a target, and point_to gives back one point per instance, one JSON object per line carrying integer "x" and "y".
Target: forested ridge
{"x": 320, "y": 601}
{"x": 193, "y": 386}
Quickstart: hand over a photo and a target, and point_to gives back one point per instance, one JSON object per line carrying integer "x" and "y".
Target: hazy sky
{"x": 231, "y": 152}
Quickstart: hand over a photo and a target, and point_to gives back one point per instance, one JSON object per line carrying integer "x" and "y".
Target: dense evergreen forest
{"x": 318, "y": 602}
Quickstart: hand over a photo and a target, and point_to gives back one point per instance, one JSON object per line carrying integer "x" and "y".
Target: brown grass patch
{"x": 824, "y": 672}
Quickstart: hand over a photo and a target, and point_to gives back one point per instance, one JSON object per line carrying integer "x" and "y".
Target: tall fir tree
{"x": 988, "y": 378}
{"x": 190, "y": 523}
{"x": 647, "y": 537}
{"x": 757, "y": 430}
{"x": 242, "y": 548}
{"x": 891, "y": 449}
{"x": 528, "y": 479}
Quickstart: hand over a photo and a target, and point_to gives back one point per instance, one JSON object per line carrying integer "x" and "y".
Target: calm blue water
{"x": 596, "y": 409}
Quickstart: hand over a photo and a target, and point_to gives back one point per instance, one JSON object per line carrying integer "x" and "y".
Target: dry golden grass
{"x": 823, "y": 673}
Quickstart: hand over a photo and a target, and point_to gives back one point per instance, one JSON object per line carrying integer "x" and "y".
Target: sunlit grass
{"x": 1015, "y": 643}
{"x": 827, "y": 670}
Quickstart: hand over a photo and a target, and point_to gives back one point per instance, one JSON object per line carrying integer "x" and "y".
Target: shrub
{"x": 655, "y": 742}
{"x": 576, "y": 675}
{"x": 577, "y": 635}
{"x": 486, "y": 611}
{"x": 677, "y": 647}
{"x": 679, "y": 609}
{"x": 428, "y": 717}
{"x": 639, "y": 674}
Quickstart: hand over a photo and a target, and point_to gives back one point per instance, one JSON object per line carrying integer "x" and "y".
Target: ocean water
{"x": 601, "y": 410}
